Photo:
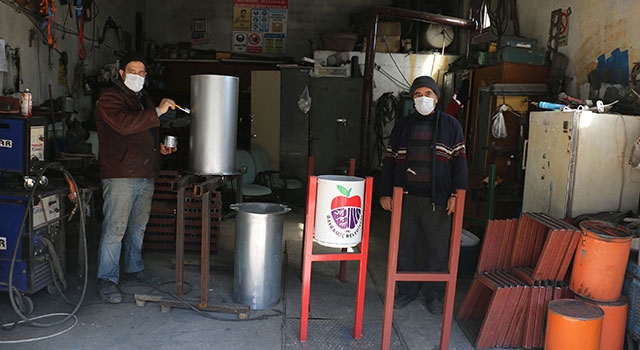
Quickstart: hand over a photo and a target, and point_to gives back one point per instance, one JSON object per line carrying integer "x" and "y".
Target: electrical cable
{"x": 399, "y": 70}
{"x": 392, "y": 78}
{"x": 82, "y": 234}
{"x": 22, "y": 340}
{"x": 202, "y": 312}
{"x": 386, "y": 113}
{"x": 499, "y": 17}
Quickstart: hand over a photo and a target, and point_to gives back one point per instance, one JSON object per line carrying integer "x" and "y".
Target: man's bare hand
{"x": 386, "y": 202}
{"x": 167, "y": 150}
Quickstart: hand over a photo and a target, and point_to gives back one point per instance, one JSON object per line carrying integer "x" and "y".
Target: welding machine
{"x": 23, "y": 146}
{"x": 41, "y": 243}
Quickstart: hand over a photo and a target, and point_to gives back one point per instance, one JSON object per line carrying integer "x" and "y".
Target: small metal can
{"x": 26, "y": 103}
{"x": 170, "y": 141}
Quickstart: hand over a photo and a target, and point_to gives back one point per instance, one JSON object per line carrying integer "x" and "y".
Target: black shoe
{"x": 402, "y": 300}
{"x": 142, "y": 277}
{"x": 435, "y": 306}
{"x": 109, "y": 292}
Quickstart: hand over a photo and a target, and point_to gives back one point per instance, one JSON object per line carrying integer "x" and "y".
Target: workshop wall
{"x": 39, "y": 65}
{"x": 595, "y": 28}
{"x": 306, "y": 20}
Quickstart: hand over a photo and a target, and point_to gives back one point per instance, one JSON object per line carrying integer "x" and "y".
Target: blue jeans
{"x": 127, "y": 205}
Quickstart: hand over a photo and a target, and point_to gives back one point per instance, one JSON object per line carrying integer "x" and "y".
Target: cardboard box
{"x": 387, "y": 38}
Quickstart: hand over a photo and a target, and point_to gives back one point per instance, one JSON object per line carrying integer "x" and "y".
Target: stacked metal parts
{"x": 522, "y": 266}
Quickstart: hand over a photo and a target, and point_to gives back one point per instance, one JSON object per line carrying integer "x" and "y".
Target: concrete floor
{"x": 126, "y": 326}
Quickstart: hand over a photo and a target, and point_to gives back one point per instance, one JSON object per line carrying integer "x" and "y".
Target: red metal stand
{"x": 309, "y": 257}
{"x": 449, "y": 278}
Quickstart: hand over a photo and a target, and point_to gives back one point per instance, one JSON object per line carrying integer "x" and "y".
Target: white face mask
{"x": 424, "y": 105}
{"x": 134, "y": 82}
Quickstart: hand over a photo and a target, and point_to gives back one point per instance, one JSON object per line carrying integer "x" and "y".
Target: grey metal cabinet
{"x": 294, "y": 124}
{"x": 335, "y": 124}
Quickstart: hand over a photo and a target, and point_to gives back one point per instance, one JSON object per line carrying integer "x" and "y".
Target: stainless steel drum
{"x": 257, "y": 270}
{"x": 214, "y": 113}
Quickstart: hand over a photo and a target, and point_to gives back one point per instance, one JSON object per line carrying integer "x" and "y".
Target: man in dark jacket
{"x": 426, "y": 156}
{"x": 127, "y": 123}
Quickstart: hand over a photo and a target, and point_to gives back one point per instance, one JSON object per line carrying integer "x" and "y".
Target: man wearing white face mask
{"x": 127, "y": 124}
{"x": 426, "y": 156}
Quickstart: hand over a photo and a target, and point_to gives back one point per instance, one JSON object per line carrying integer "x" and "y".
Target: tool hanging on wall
{"x": 48, "y": 27}
{"x": 109, "y": 24}
{"x": 80, "y": 15}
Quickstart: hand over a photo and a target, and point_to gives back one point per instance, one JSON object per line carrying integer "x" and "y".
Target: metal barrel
{"x": 214, "y": 120}
{"x": 257, "y": 272}
{"x": 573, "y": 324}
{"x": 600, "y": 260}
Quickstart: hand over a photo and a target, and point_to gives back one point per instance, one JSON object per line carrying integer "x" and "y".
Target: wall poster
{"x": 259, "y": 26}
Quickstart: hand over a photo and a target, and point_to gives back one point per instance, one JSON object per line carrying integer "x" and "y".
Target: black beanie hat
{"x": 424, "y": 81}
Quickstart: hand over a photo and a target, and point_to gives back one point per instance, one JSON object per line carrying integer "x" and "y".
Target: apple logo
{"x": 345, "y": 210}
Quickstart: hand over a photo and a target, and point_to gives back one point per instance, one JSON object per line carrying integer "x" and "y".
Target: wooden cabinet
{"x": 482, "y": 148}
{"x": 265, "y": 114}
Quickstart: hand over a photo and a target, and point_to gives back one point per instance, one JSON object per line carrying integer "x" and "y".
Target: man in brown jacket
{"x": 127, "y": 124}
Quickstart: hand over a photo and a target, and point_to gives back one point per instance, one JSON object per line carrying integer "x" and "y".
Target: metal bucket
{"x": 339, "y": 211}
{"x": 257, "y": 272}
{"x": 214, "y": 121}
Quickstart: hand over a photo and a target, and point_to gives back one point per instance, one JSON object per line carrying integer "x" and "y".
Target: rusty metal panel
{"x": 517, "y": 333}
{"x": 548, "y": 296}
{"x": 529, "y": 326}
{"x": 538, "y": 235}
{"x": 540, "y": 313}
{"x": 553, "y": 250}
{"x": 520, "y": 241}
{"x": 486, "y": 257}
{"x": 471, "y": 300}
{"x": 503, "y": 249}
{"x": 568, "y": 255}
{"x": 512, "y": 226}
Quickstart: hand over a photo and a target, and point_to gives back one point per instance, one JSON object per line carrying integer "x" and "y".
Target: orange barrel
{"x": 573, "y": 324}
{"x": 614, "y": 323}
{"x": 600, "y": 260}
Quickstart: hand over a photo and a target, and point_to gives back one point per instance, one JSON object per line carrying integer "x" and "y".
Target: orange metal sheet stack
{"x": 522, "y": 266}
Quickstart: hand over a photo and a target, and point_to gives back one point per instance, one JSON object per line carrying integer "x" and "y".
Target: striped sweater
{"x": 449, "y": 165}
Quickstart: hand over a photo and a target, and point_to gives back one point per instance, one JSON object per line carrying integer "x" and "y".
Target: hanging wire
{"x": 499, "y": 17}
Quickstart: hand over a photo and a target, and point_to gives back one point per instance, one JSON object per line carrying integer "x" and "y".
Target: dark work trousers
{"x": 424, "y": 238}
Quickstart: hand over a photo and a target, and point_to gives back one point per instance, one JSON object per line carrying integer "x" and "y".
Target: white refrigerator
{"x": 578, "y": 163}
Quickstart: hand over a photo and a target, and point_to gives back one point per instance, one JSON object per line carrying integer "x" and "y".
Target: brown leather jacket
{"x": 127, "y": 125}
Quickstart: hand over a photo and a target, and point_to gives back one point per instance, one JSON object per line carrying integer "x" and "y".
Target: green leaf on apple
{"x": 344, "y": 191}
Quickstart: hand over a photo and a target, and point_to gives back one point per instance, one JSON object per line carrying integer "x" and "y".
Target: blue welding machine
{"x": 22, "y": 144}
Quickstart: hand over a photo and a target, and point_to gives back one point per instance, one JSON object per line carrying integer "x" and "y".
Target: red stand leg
{"x": 307, "y": 251}
{"x": 449, "y": 278}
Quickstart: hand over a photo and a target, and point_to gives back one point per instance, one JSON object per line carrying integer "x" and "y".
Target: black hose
{"x": 386, "y": 113}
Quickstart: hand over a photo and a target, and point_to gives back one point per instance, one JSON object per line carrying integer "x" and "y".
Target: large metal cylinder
{"x": 214, "y": 113}
{"x": 257, "y": 272}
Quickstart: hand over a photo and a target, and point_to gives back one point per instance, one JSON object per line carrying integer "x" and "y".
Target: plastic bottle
{"x": 549, "y": 105}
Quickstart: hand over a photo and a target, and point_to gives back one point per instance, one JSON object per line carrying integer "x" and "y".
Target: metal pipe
{"x": 393, "y": 12}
